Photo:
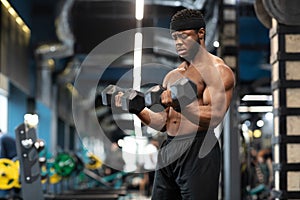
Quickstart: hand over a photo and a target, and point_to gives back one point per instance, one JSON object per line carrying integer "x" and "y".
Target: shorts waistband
{"x": 199, "y": 134}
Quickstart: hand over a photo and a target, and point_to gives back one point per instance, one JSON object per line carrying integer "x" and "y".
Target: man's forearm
{"x": 152, "y": 119}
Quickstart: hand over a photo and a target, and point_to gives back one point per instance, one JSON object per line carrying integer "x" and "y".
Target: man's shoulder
{"x": 173, "y": 74}
{"x": 220, "y": 63}
{"x": 218, "y": 60}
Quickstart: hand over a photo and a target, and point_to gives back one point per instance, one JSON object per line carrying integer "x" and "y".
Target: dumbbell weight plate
{"x": 108, "y": 94}
{"x": 64, "y": 164}
{"x": 183, "y": 92}
{"x": 153, "y": 98}
{"x": 9, "y": 174}
{"x": 133, "y": 101}
{"x": 93, "y": 162}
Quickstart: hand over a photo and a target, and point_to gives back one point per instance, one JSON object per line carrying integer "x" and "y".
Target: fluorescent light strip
{"x": 255, "y": 108}
{"x": 19, "y": 21}
{"x": 13, "y": 13}
{"x": 257, "y": 98}
{"x": 139, "y": 9}
{"x": 137, "y": 57}
{"x": 137, "y": 75}
{"x": 5, "y": 3}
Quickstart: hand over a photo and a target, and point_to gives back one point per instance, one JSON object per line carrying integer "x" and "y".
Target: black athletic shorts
{"x": 185, "y": 172}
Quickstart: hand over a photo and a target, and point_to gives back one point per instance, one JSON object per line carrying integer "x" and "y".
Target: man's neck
{"x": 200, "y": 56}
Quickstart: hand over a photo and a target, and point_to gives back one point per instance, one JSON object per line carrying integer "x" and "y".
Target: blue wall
{"x": 254, "y": 37}
{"x": 252, "y": 31}
{"x": 250, "y": 62}
{"x": 17, "y": 108}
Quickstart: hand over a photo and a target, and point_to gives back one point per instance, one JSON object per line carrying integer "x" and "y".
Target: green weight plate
{"x": 64, "y": 164}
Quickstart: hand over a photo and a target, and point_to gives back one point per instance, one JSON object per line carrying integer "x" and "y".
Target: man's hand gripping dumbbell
{"x": 128, "y": 99}
{"x": 180, "y": 94}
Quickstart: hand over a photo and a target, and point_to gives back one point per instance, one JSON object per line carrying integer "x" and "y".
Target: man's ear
{"x": 201, "y": 33}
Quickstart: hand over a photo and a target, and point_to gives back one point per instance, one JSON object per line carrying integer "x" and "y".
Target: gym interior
{"x": 58, "y": 56}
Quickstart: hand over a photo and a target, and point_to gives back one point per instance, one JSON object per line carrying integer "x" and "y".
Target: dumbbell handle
{"x": 131, "y": 100}
{"x": 112, "y": 90}
{"x": 150, "y": 99}
{"x": 183, "y": 92}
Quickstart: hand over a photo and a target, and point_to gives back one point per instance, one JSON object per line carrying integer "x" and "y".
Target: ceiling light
{"x": 216, "y": 44}
{"x": 19, "y": 21}
{"x": 257, "y": 133}
{"x": 137, "y": 56}
{"x": 255, "y": 109}
{"x": 12, "y": 11}
{"x": 260, "y": 123}
{"x": 269, "y": 116}
{"x": 257, "y": 98}
{"x": 5, "y": 3}
{"x": 139, "y": 9}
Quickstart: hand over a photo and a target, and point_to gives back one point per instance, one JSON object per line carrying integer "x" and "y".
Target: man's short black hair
{"x": 187, "y": 19}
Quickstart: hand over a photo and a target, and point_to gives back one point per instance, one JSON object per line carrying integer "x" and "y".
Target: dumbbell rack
{"x": 31, "y": 186}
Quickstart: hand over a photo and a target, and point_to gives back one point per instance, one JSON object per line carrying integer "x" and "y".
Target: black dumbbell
{"x": 133, "y": 101}
{"x": 109, "y": 93}
{"x": 152, "y": 98}
{"x": 183, "y": 92}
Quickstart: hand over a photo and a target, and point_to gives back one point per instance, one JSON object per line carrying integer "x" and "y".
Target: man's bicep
{"x": 206, "y": 98}
{"x": 229, "y": 84}
{"x": 217, "y": 99}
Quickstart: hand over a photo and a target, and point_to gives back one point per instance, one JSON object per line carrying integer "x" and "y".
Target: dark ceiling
{"x": 96, "y": 21}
